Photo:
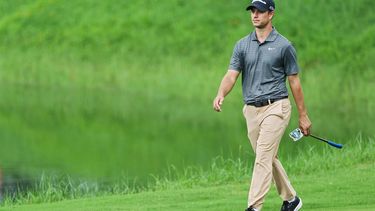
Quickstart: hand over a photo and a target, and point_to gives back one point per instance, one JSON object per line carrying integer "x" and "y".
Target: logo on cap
{"x": 259, "y": 1}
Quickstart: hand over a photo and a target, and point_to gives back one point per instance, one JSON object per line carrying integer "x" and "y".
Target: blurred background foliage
{"x": 103, "y": 89}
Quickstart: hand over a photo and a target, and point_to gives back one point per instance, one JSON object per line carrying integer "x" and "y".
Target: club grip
{"x": 335, "y": 144}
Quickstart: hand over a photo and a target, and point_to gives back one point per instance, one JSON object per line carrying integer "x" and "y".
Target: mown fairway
{"x": 111, "y": 89}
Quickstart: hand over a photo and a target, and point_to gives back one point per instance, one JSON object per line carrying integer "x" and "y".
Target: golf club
{"x": 297, "y": 134}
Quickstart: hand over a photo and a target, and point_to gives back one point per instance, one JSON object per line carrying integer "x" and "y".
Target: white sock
{"x": 294, "y": 198}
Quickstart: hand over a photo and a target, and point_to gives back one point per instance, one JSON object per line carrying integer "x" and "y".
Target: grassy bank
{"x": 334, "y": 180}
{"x": 348, "y": 188}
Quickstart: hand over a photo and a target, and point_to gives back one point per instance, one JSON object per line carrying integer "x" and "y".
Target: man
{"x": 265, "y": 58}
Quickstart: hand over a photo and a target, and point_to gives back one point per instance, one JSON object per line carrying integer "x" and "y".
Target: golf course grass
{"x": 107, "y": 105}
{"x": 348, "y": 188}
{"x": 334, "y": 180}
{"x": 99, "y": 89}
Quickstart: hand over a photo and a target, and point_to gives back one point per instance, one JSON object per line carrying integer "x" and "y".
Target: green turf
{"x": 123, "y": 89}
{"x": 347, "y": 188}
{"x": 100, "y": 89}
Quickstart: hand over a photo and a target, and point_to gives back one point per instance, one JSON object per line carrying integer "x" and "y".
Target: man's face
{"x": 260, "y": 19}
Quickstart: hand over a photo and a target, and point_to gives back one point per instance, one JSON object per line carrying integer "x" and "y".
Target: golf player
{"x": 265, "y": 59}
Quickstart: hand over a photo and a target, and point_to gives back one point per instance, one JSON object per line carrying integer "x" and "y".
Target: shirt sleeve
{"x": 290, "y": 61}
{"x": 236, "y": 61}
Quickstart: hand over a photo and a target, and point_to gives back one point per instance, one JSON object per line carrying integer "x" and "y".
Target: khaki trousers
{"x": 266, "y": 126}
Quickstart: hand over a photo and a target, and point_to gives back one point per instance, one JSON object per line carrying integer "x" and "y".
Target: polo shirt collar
{"x": 271, "y": 37}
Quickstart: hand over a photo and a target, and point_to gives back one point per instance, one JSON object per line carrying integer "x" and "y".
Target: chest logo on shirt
{"x": 271, "y": 49}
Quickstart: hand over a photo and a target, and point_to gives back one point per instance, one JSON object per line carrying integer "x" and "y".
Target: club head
{"x": 296, "y": 134}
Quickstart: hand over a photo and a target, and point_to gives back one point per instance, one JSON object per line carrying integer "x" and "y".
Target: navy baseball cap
{"x": 262, "y": 5}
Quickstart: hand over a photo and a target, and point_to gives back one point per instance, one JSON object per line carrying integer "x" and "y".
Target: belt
{"x": 262, "y": 103}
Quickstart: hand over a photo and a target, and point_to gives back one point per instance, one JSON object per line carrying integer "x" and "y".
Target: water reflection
{"x": 13, "y": 183}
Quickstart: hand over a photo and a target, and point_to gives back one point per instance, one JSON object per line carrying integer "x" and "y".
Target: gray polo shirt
{"x": 264, "y": 66}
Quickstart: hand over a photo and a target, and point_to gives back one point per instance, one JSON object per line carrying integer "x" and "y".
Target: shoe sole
{"x": 299, "y": 205}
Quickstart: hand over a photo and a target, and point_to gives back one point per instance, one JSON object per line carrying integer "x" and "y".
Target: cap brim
{"x": 257, "y": 5}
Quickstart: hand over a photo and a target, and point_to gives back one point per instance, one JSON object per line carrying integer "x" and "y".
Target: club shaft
{"x": 339, "y": 146}
{"x": 322, "y": 139}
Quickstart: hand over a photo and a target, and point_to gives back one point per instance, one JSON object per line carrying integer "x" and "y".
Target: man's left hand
{"x": 305, "y": 124}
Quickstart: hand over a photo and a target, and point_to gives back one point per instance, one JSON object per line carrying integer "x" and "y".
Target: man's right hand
{"x": 226, "y": 85}
{"x": 218, "y": 101}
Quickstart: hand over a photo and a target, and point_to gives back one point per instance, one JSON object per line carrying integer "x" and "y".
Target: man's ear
{"x": 271, "y": 14}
